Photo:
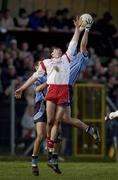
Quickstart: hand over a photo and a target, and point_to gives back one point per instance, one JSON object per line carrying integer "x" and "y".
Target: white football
{"x": 86, "y": 19}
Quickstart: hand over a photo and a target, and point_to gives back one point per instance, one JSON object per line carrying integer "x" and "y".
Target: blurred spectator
{"x": 36, "y": 21}
{"x": 1, "y": 57}
{"x": 24, "y": 50}
{"x": 58, "y": 24}
{"x": 1, "y": 87}
{"x": 106, "y": 25}
{"x": 46, "y": 53}
{"x": 28, "y": 131}
{"x": 99, "y": 69}
{"x": 2, "y": 46}
{"x": 112, "y": 68}
{"x": 112, "y": 89}
{"x": 38, "y": 52}
{"x": 107, "y": 29}
{"x": 92, "y": 56}
{"x": 95, "y": 28}
{"x": 13, "y": 46}
{"x": 7, "y": 21}
{"x": 1, "y": 16}
{"x": 27, "y": 65}
{"x": 116, "y": 53}
{"x": 12, "y": 74}
{"x": 49, "y": 19}
{"x": 22, "y": 20}
{"x": 67, "y": 20}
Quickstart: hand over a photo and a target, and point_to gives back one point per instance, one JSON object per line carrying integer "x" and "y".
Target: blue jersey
{"x": 40, "y": 95}
{"x": 76, "y": 66}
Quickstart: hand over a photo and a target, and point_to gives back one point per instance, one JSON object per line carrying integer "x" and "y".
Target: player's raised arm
{"x": 84, "y": 40}
{"x": 74, "y": 41}
{"x": 29, "y": 82}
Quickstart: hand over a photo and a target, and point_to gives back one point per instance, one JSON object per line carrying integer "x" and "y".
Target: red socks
{"x": 50, "y": 143}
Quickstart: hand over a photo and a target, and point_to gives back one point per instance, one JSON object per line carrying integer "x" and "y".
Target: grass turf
{"x": 19, "y": 170}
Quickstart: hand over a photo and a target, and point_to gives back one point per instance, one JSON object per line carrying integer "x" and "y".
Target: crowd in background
{"x": 58, "y": 21}
{"x": 16, "y": 61}
{"x": 49, "y": 20}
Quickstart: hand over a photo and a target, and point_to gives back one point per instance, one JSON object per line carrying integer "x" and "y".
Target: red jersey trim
{"x": 67, "y": 57}
{"x": 43, "y": 65}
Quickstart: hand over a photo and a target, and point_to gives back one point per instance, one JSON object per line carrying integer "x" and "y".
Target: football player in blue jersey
{"x": 77, "y": 65}
{"x": 39, "y": 119}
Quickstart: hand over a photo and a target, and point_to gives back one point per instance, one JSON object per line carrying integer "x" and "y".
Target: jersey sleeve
{"x": 41, "y": 70}
{"x": 83, "y": 60}
{"x": 71, "y": 50}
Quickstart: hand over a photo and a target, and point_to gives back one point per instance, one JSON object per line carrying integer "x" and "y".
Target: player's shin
{"x": 53, "y": 156}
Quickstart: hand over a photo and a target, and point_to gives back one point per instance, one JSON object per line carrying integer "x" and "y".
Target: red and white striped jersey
{"x": 57, "y": 69}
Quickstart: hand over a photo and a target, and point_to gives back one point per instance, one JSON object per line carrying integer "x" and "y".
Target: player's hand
{"x": 18, "y": 93}
{"x": 78, "y": 22}
{"x": 89, "y": 24}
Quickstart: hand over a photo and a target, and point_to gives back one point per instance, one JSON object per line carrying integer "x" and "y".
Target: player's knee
{"x": 58, "y": 121}
{"x": 65, "y": 118}
{"x": 50, "y": 122}
{"x": 40, "y": 137}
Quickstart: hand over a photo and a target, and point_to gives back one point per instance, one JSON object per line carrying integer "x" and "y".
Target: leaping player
{"x": 76, "y": 66}
{"x": 80, "y": 60}
{"x": 57, "y": 97}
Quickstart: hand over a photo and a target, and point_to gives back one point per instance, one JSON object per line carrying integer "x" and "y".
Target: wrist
{"x": 87, "y": 29}
{"x": 22, "y": 89}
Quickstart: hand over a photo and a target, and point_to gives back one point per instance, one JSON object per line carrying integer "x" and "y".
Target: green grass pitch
{"x": 21, "y": 170}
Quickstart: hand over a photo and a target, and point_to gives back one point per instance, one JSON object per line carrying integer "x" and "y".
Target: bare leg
{"x": 41, "y": 134}
{"x": 52, "y": 155}
{"x": 79, "y": 124}
{"x": 55, "y": 129}
{"x": 73, "y": 121}
{"x": 51, "y": 108}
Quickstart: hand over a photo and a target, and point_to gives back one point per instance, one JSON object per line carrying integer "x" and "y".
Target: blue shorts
{"x": 40, "y": 112}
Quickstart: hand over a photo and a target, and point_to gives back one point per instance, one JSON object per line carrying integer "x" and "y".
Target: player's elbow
{"x": 38, "y": 89}
{"x": 82, "y": 49}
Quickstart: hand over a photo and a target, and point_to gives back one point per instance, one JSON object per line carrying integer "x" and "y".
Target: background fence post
{"x": 12, "y": 130}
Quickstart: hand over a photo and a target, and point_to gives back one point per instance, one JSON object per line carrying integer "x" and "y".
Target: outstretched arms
{"x": 29, "y": 82}
{"x": 84, "y": 42}
{"x": 74, "y": 41}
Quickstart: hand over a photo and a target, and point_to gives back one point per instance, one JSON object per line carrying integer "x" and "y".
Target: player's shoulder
{"x": 46, "y": 60}
{"x": 83, "y": 54}
{"x": 67, "y": 57}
